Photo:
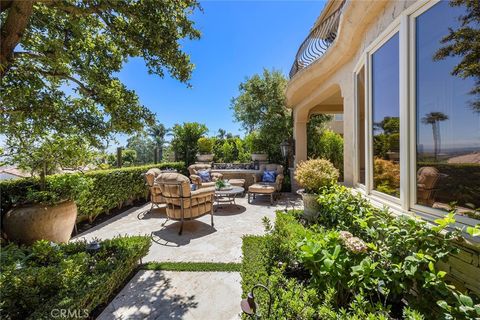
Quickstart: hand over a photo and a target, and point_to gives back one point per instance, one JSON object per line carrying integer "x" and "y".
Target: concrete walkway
{"x": 187, "y": 295}
{"x": 177, "y": 295}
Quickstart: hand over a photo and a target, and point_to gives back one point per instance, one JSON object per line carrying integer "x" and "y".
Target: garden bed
{"x": 354, "y": 261}
{"x": 46, "y": 277}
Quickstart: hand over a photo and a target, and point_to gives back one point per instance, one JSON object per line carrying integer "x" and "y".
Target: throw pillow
{"x": 269, "y": 176}
{"x": 204, "y": 175}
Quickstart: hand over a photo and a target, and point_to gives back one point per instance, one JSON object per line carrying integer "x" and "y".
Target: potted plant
{"x": 205, "y": 149}
{"x": 313, "y": 175}
{"x": 258, "y": 149}
{"x": 47, "y": 211}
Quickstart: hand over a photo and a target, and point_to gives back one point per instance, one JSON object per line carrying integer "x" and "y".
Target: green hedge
{"x": 107, "y": 189}
{"x": 43, "y": 277}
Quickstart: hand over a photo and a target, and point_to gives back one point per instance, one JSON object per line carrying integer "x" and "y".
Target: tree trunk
{"x": 12, "y": 31}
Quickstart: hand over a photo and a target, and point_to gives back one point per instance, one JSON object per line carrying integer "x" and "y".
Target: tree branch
{"x": 12, "y": 31}
{"x": 73, "y": 9}
{"x": 82, "y": 87}
{"x": 5, "y": 4}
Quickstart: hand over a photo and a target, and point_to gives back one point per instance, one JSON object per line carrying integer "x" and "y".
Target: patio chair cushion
{"x": 205, "y": 175}
{"x": 237, "y": 182}
{"x": 265, "y": 188}
{"x": 269, "y": 176}
{"x": 170, "y": 184}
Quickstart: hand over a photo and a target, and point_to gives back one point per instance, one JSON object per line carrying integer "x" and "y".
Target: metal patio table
{"x": 227, "y": 196}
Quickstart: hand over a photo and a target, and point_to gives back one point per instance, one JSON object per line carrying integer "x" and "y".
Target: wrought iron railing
{"x": 317, "y": 42}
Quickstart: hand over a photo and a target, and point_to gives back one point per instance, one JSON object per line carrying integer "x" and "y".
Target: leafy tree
{"x": 158, "y": 133}
{"x": 46, "y": 155}
{"x": 58, "y": 61}
{"x": 261, "y": 107}
{"x": 434, "y": 118}
{"x": 185, "y": 140}
{"x": 316, "y": 125}
{"x": 465, "y": 43}
{"x": 144, "y": 147}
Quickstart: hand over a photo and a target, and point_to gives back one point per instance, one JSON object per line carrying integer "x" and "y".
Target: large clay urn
{"x": 27, "y": 224}
{"x": 311, "y": 208}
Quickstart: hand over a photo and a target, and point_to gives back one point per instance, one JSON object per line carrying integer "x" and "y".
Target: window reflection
{"x": 386, "y": 118}
{"x": 448, "y": 128}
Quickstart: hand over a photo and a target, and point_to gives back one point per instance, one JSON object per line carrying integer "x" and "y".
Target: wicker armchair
{"x": 195, "y": 168}
{"x": 257, "y": 178}
{"x": 155, "y": 193}
{"x": 182, "y": 203}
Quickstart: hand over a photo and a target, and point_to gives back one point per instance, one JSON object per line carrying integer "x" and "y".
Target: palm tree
{"x": 434, "y": 119}
{"x": 158, "y": 133}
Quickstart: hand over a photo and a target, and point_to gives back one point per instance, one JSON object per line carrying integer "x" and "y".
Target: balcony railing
{"x": 318, "y": 41}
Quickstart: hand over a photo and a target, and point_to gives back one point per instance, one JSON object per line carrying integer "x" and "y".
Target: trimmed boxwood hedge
{"x": 107, "y": 189}
{"x": 41, "y": 280}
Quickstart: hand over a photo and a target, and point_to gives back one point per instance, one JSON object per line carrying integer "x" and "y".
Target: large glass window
{"x": 360, "y": 85}
{"x": 386, "y": 118}
{"x": 447, "y": 116}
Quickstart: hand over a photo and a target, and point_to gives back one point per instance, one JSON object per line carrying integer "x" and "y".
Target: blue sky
{"x": 239, "y": 38}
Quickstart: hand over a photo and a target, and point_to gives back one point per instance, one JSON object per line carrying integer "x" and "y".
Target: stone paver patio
{"x": 187, "y": 295}
{"x": 177, "y": 295}
{"x": 199, "y": 241}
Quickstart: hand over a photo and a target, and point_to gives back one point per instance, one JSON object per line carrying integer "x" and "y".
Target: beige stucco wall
{"x": 361, "y": 23}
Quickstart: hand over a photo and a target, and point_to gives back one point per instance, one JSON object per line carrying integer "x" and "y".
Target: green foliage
{"x": 316, "y": 125}
{"x": 94, "y": 192}
{"x": 47, "y": 276}
{"x": 464, "y": 43}
{"x": 193, "y": 266}
{"x": 205, "y": 145}
{"x": 261, "y": 107}
{"x": 185, "y": 140}
{"x": 144, "y": 147}
{"x": 355, "y": 262}
{"x": 315, "y": 174}
{"x": 46, "y": 155}
{"x": 228, "y": 151}
{"x": 83, "y": 45}
{"x": 330, "y": 146}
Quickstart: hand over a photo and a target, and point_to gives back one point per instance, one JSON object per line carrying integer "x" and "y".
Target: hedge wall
{"x": 107, "y": 189}
{"x": 40, "y": 281}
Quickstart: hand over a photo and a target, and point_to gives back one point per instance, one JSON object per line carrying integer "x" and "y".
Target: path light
{"x": 93, "y": 247}
{"x": 249, "y": 306}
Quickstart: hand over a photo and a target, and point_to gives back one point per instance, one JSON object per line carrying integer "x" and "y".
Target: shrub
{"x": 314, "y": 174}
{"x": 356, "y": 261}
{"x": 205, "y": 145}
{"x": 37, "y": 279}
{"x": 329, "y": 145}
{"x": 103, "y": 190}
{"x": 386, "y": 176}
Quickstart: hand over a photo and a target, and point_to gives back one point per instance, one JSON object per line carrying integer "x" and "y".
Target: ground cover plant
{"x": 355, "y": 261}
{"x": 103, "y": 190}
{"x": 45, "y": 276}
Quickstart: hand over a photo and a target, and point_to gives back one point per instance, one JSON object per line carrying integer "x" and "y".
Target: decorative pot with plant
{"x": 47, "y": 211}
{"x": 313, "y": 175}
{"x": 205, "y": 149}
{"x": 258, "y": 149}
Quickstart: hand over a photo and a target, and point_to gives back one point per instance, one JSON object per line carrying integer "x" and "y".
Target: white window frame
{"x": 385, "y": 36}
{"x": 362, "y": 63}
{"x": 404, "y": 25}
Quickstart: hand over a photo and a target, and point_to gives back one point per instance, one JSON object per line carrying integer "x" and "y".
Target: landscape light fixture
{"x": 249, "y": 305}
{"x": 93, "y": 247}
{"x": 285, "y": 148}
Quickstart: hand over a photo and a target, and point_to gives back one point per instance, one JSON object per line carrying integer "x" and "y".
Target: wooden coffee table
{"x": 227, "y": 196}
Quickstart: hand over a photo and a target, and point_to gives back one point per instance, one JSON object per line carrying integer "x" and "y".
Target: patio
{"x": 163, "y": 294}
{"x": 199, "y": 241}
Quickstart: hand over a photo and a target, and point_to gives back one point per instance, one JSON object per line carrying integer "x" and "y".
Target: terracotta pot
{"x": 311, "y": 208}
{"x": 27, "y": 224}
{"x": 205, "y": 157}
{"x": 259, "y": 157}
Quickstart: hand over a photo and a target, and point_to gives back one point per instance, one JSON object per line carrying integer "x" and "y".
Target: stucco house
{"x": 411, "y": 132}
